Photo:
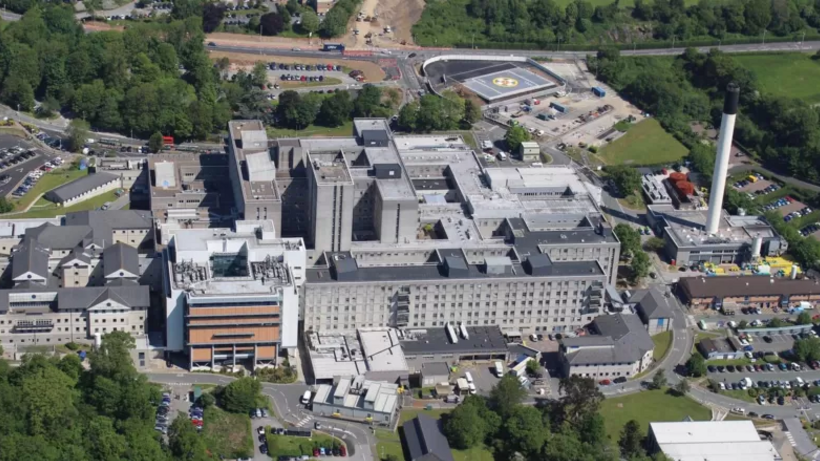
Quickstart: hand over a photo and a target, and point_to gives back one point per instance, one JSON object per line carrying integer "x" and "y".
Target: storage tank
{"x": 794, "y": 271}
{"x": 757, "y": 244}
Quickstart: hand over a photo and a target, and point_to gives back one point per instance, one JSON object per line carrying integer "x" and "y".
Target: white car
{"x": 743, "y": 342}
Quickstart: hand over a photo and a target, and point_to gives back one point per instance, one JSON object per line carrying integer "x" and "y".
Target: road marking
{"x": 791, "y": 438}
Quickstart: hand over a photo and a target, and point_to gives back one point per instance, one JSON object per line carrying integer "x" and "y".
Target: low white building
{"x": 84, "y": 188}
{"x": 619, "y": 346}
{"x": 711, "y": 440}
{"x": 358, "y": 399}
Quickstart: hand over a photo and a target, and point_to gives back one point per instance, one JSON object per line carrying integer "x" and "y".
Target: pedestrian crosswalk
{"x": 304, "y": 421}
{"x": 791, "y": 438}
{"x": 719, "y": 413}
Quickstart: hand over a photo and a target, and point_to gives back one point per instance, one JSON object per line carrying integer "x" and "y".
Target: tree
{"x": 465, "y": 427}
{"x": 654, "y": 244}
{"x": 742, "y": 325}
{"x": 77, "y": 134}
{"x": 212, "y": 15}
{"x": 240, "y": 396}
{"x": 5, "y": 207}
{"x": 408, "y": 115}
{"x": 807, "y": 350}
{"x": 515, "y": 136}
{"x": 505, "y": 395}
{"x": 368, "y": 102}
{"x": 272, "y": 24}
{"x": 776, "y": 323}
{"x": 631, "y": 440}
{"x": 683, "y": 387}
{"x": 804, "y": 318}
{"x": 207, "y": 400}
{"x": 17, "y": 93}
{"x": 309, "y": 21}
{"x": 472, "y": 112}
{"x": 696, "y": 366}
{"x": 335, "y": 110}
{"x": 629, "y": 237}
{"x": 627, "y": 179}
{"x": 155, "y": 142}
{"x": 524, "y": 429}
{"x": 581, "y": 398}
{"x": 659, "y": 380}
{"x": 639, "y": 266}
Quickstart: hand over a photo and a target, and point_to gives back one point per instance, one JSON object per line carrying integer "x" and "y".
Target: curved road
{"x": 285, "y": 397}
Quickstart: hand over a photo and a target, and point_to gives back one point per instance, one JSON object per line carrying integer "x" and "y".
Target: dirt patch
{"x": 372, "y": 72}
{"x": 257, "y": 41}
{"x": 399, "y": 15}
{"x": 95, "y": 26}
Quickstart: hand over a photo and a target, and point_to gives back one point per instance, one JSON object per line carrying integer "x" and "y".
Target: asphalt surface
{"x": 285, "y": 398}
{"x": 19, "y": 172}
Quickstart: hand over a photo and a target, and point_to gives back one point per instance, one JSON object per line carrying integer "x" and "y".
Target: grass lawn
{"x": 740, "y": 395}
{"x": 793, "y": 75}
{"x": 389, "y": 443}
{"x": 284, "y": 445}
{"x": 743, "y": 361}
{"x": 328, "y": 81}
{"x": 633, "y": 202}
{"x": 45, "y": 209}
{"x": 648, "y": 406}
{"x": 663, "y": 341}
{"x": 227, "y": 434}
{"x": 312, "y": 130}
{"x": 49, "y": 181}
{"x": 645, "y": 143}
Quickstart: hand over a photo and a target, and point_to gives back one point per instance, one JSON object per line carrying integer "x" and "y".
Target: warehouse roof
{"x": 712, "y": 440}
{"x": 750, "y": 285}
{"x": 80, "y": 186}
{"x": 483, "y": 340}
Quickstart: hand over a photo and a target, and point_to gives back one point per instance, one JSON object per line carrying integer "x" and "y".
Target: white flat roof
{"x": 746, "y": 451}
{"x": 704, "y": 432}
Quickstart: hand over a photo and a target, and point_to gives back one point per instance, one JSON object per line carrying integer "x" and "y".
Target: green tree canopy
{"x": 240, "y": 396}
{"x": 505, "y": 395}
{"x": 515, "y": 136}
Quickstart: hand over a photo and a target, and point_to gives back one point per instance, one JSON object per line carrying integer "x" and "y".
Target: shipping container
{"x": 558, "y": 107}
{"x": 598, "y": 91}
{"x": 167, "y": 140}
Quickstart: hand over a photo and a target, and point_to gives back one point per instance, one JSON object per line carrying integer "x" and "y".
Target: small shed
{"x": 433, "y": 373}
{"x": 529, "y": 151}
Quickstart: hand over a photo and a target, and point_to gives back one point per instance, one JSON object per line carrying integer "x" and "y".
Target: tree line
{"x": 569, "y": 429}
{"x": 546, "y": 22}
{"x": 149, "y": 78}
{"x": 783, "y": 132}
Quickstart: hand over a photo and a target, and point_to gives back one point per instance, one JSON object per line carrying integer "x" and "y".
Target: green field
{"x": 312, "y": 130}
{"x": 646, "y": 143}
{"x": 389, "y": 443}
{"x": 285, "y": 445}
{"x": 663, "y": 341}
{"x": 646, "y": 407}
{"x": 227, "y": 434}
{"x": 45, "y": 209}
{"x": 47, "y": 182}
{"x": 793, "y": 75}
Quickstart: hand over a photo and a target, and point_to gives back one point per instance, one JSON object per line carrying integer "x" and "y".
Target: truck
{"x": 499, "y": 369}
{"x": 598, "y": 91}
{"x": 520, "y": 368}
{"x": 333, "y": 47}
{"x": 558, "y": 107}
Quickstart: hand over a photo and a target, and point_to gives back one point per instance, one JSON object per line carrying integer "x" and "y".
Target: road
{"x": 285, "y": 398}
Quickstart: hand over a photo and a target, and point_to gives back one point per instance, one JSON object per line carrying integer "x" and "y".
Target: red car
{"x": 604, "y": 382}
{"x": 342, "y": 451}
{"x": 196, "y": 422}
{"x": 315, "y": 452}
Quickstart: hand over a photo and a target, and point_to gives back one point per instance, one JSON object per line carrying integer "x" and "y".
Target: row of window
{"x": 78, "y": 330}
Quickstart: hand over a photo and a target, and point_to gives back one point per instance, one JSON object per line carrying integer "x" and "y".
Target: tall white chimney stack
{"x": 724, "y": 151}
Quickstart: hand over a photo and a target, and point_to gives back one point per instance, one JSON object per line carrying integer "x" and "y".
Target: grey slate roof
{"x": 30, "y": 257}
{"x": 112, "y": 219}
{"x": 59, "y": 237}
{"x": 121, "y": 257}
{"x": 652, "y": 303}
{"x": 80, "y": 186}
{"x": 425, "y": 442}
{"x": 620, "y": 339}
{"x": 488, "y": 340}
{"x": 84, "y": 297}
{"x": 435, "y": 369}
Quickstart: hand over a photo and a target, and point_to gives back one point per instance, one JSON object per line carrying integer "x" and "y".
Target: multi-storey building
{"x": 73, "y": 282}
{"x": 232, "y": 295}
{"x": 189, "y": 188}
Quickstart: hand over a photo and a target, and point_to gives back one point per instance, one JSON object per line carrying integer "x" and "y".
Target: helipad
{"x": 504, "y": 83}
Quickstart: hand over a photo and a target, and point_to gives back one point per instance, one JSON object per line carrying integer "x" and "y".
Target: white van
{"x": 799, "y": 381}
{"x": 472, "y": 388}
{"x": 499, "y": 369}
{"x": 306, "y": 397}
{"x": 469, "y": 377}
